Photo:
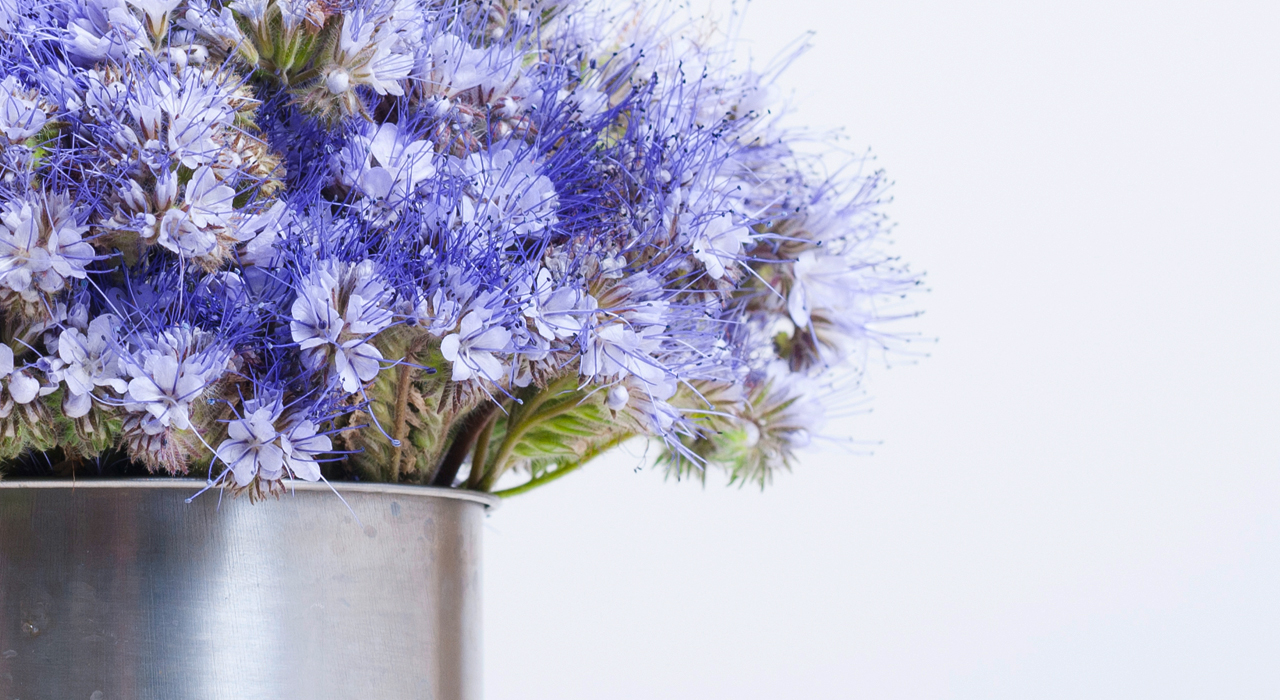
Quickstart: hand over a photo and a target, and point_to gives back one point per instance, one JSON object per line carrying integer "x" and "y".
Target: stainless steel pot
{"x": 121, "y": 590}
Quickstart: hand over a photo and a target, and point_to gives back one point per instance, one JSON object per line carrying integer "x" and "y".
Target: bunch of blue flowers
{"x": 417, "y": 241}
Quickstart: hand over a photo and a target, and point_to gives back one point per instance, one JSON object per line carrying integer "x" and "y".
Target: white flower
{"x": 374, "y": 51}
{"x": 256, "y": 447}
{"x": 41, "y": 246}
{"x": 209, "y": 200}
{"x": 327, "y": 335}
{"x": 22, "y": 386}
{"x": 168, "y": 375}
{"x": 453, "y": 66}
{"x": 819, "y": 282}
{"x": 218, "y": 25}
{"x": 506, "y": 193}
{"x": 20, "y": 114}
{"x": 471, "y": 349}
{"x": 614, "y": 350}
{"x": 250, "y": 449}
{"x": 301, "y": 445}
{"x": 90, "y": 361}
{"x": 191, "y": 109}
{"x": 102, "y": 29}
{"x": 386, "y": 166}
{"x": 440, "y": 313}
{"x": 719, "y": 241}
{"x": 207, "y": 207}
{"x": 556, "y": 312}
{"x": 191, "y": 141}
{"x": 260, "y": 234}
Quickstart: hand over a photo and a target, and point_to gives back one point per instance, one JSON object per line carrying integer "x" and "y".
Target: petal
{"x": 237, "y": 430}
{"x": 23, "y": 387}
{"x": 346, "y": 373}
{"x": 383, "y": 145}
{"x": 377, "y": 183}
{"x": 76, "y": 405}
{"x": 179, "y": 416}
{"x": 302, "y": 468}
{"x": 164, "y": 370}
{"x": 488, "y": 366}
{"x": 231, "y": 450}
{"x": 142, "y": 390}
{"x": 270, "y": 458}
{"x": 448, "y": 347}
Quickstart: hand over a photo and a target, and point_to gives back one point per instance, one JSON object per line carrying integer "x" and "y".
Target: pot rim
{"x": 489, "y": 501}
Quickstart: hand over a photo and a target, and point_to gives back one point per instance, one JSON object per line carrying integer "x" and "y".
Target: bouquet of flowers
{"x": 414, "y": 241}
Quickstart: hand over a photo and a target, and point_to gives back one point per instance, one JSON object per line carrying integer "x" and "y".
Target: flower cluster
{"x": 423, "y": 241}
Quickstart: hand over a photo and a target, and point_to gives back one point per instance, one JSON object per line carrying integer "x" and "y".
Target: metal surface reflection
{"x": 120, "y": 590}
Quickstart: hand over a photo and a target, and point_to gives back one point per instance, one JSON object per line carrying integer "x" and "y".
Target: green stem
{"x": 535, "y": 483}
{"x": 401, "y": 417}
{"x": 552, "y": 476}
{"x": 518, "y": 423}
{"x": 514, "y": 433}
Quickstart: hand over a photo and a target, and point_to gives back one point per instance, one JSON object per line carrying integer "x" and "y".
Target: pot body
{"x": 122, "y": 590}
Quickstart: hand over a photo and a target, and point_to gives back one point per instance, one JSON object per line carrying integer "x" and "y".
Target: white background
{"x": 1078, "y": 494}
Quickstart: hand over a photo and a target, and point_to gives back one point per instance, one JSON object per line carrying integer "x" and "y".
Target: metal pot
{"x": 122, "y": 590}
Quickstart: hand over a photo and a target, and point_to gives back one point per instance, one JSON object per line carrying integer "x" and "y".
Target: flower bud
{"x": 618, "y": 397}
{"x": 177, "y": 57}
{"x": 338, "y": 81}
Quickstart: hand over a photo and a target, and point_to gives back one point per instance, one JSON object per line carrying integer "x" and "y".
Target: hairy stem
{"x": 552, "y": 476}
{"x": 512, "y": 438}
{"x": 404, "y": 381}
{"x": 535, "y": 483}
{"x": 481, "y": 452}
{"x": 452, "y": 462}
{"x": 405, "y": 373}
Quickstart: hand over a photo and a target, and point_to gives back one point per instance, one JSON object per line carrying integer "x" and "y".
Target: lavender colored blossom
{"x": 168, "y": 374}
{"x": 337, "y": 311}
{"x": 474, "y": 348}
{"x": 21, "y": 386}
{"x": 250, "y": 450}
{"x": 385, "y": 167}
{"x": 398, "y": 240}
{"x": 41, "y": 247}
{"x": 21, "y": 114}
{"x": 89, "y": 361}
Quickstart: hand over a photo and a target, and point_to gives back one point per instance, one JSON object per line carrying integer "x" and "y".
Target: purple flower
{"x": 472, "y": 348}
{"x": 262, "y": 203}
{"x": 22, "y": 387}
{"x": 21, "y": 116}
{"x": 385, "y": 167}
{"x": 170, "y": 372}
{"x": 250, "y": 450}
{"x": 41, "y": 247}
{"x": 339, "y": 308}
{"x": 89, "y": 361}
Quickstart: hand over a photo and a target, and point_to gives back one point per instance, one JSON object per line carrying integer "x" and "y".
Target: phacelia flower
{"x": 339, "y": 308}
